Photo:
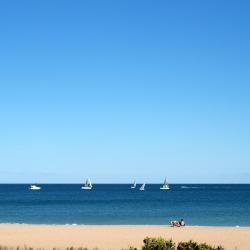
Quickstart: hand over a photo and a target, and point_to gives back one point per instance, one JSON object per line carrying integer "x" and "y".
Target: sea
{"x": 197, "y": 204}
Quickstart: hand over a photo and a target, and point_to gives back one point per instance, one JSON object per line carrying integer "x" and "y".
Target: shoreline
{"x": 121, "y": 225}
{"x": 117, "y": 236}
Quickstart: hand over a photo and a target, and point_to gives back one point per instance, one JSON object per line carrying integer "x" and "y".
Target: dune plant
{"x": 191, "y": 245}
{"x": 158, "y": 244}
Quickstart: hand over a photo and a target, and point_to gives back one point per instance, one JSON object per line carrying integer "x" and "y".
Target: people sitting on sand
{"x": 175, "y": 223}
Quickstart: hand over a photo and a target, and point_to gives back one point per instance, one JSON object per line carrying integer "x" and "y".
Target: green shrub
{"x": 132, "y": 248}
{"x": 191, "y": 245}
{"x": 158, "y": 244}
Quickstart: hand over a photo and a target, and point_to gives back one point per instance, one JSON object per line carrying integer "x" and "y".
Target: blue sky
{"x": 117, "y": 90}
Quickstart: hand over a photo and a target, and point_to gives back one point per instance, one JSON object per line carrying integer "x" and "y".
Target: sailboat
{"x": 165, "y": 185}
{"x": 134, "y": 185}
{"x": 142, "y": 188}
{"x": 87, "y": 185}
{"x": 34, "y": 187}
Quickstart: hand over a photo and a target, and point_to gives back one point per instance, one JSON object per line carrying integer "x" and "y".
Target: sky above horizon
{"x": 117, "y": 90}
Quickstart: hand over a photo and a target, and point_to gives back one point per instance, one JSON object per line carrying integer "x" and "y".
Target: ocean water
{"x": 220, "y": 205}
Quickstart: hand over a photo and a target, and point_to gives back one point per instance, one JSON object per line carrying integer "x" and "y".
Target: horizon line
{"x": 120, "y": 183}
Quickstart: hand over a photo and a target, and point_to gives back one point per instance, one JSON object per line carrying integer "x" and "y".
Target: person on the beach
{"x": 174, "y": 223}
{"x": 182, "y": 223}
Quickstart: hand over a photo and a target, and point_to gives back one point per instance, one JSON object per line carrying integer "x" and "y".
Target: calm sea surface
{"x": 223, "y": 205}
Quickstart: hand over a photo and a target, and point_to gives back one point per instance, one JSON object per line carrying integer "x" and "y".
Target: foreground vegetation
{"x": 148, "y": 244}
{"x": 163, "y": 244}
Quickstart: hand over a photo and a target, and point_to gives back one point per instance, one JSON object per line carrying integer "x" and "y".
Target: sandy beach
{"x": 117, "y": 237}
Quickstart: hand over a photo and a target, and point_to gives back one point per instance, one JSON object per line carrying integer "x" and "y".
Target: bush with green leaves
{"x": 191, "y": 245}
{"x": 132, "y": 248}
{"x": 158, "y": 244}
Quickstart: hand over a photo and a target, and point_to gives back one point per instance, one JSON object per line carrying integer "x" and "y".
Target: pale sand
{"x": 117, "y": 237}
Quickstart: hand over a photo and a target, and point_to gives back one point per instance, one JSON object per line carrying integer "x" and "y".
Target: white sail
{"x": 134, "y": 185}
{"x": 90, "y": 184}
{"x": 142, "y": 188}
{"x": 165, "y": 185}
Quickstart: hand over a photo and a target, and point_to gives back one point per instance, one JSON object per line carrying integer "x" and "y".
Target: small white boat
{"x": 34, "y": 187}
{"x": 165, "y": 185}
{"x": 134, "y": 185}
{"x": 87, "y": 185}
{"x": 142, "y": 188}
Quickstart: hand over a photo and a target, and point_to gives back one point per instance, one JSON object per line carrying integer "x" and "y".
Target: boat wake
{"x": 189, "y": 187}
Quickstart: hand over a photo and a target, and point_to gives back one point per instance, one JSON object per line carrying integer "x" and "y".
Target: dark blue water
{"x": 223, "y": 205}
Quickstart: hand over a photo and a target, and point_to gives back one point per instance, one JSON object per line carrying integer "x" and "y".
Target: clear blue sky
{"x": 117, "y": 90}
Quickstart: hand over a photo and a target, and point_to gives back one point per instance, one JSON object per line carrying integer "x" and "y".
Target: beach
{"x": 117, "y": 236}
